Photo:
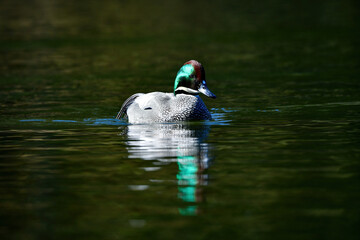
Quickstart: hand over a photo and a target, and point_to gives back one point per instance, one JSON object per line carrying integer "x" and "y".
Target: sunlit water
{"x": 280, "y": 160}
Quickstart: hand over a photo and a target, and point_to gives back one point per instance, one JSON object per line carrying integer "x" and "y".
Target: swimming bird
{"x": 181, "y": 105}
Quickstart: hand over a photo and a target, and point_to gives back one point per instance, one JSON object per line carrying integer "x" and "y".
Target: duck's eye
{"x": 192, "y": 76}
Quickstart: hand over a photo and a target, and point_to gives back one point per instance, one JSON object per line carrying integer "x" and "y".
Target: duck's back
{"x": 166, "y": 107}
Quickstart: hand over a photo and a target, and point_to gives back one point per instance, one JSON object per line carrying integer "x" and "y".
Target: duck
{"x": 183, "y": 104}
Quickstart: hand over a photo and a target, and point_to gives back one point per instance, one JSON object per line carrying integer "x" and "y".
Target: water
{"x": 280, "y": 160}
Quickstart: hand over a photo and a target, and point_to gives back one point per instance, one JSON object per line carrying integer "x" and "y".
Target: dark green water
{"x": 280, "y": 160}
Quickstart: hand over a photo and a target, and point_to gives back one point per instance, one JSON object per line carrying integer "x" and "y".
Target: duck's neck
{"x": 185, "y": 90}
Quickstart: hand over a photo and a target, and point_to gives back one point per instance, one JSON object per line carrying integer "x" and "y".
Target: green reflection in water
{"x": 187, "y": 183}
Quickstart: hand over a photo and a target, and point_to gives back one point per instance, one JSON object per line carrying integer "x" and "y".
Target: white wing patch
{"x": 144, "y": 100}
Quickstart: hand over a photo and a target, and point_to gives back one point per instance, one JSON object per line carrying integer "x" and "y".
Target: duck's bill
{"x": 204, "y": 90}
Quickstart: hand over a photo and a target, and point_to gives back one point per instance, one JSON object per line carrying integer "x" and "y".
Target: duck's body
{"x": 182, "y": 105}
{"x": 166, "y": 107}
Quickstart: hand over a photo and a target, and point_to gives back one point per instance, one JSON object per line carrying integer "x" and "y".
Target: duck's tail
{"x": 126, "y": 105}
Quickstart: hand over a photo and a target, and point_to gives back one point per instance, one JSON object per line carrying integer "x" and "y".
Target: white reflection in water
{"x": 180, "y": 143}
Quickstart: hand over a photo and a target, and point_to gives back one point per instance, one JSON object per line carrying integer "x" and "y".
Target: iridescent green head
{"x": 190, "y": 79}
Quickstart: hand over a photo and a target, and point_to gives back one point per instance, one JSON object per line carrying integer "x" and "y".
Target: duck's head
{"x": 190, "y": 79}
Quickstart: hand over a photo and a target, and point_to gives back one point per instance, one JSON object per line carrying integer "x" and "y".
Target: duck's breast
{"x": 188, "y": 107}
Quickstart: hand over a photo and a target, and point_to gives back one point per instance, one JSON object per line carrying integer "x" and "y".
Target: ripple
{"x": 103, "y": 121}
{"x": 32, "y": 120}
{"x": 65, "y": 121}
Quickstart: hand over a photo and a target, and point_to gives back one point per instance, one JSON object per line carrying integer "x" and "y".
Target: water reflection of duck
{"x": 180, "y": 143}
{"x": 183, "y": 104}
